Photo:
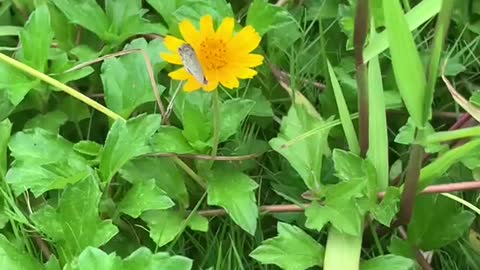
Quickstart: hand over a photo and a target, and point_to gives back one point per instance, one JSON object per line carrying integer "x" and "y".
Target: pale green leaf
{"x": 292, "y": 249}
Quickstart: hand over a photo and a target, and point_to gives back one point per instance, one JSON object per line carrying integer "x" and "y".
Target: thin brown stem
{"x": 411, "y": 183}
{"x": 443, "y": 188}
{"x": 208, "y": 157}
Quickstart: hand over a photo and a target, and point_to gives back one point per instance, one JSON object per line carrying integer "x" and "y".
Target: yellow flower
{"x": 224, "y": 57}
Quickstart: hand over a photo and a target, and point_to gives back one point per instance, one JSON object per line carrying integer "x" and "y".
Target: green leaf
{"x": 144, "y": 195}
{"x": 167, "y": 175}
{"x": 401, "y": 247}
{"x": 234, "y": 191}
{"x": 388, "y": 207}
{"x": 64, "y": 31}
{"x": 406, "y": 134}
{"x": 348, "y": 166}
{"x": 15, "y": 84}
{"x": 74, "y": 109}
{"x": 140, "y": 259}
{"x": 13, "y": 259}
{"x": 165, "y": 9}
{"x": 196, "y": 118}
{"x": 407, "y": 65}
{"x": 431, "y": 230}
{"x": 125, "y": 80}
{"x": 391, "y": 262}
{"x": 5, "y": 130}
{"x": 344, "y": 216}
{"x": 233, "y": 111}
{"x": 143, "y": 259}
{"x": 198, "y": 222}
{"x": 60, "y": 64}
{"x": 75, "y": 223}
{"x": 36, "y": 38}
{"x": 292, "y": 249}
{"x": 126, "y": 20}
{"x": 304, "y": 154}
{"x": 51, "y": 121}
{"x": 44, "y": 161}
{"x": 127, "y": 140}
{"x": 82, "y": 12}
{"x": 264, "y": 16}
{"x": 88, "y": 148}
{"x": 164, "y": 225}
{"x": 170, "y": 139}
{"x": 94, "y": 258}
{"x": 193, "y": 10}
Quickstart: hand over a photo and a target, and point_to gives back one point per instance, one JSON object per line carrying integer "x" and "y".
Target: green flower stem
{"x": 216, "y": 123}
{"x": 74, "y": 93}
{"x": 342, "y": 250}
{"x": 443, "y": 136}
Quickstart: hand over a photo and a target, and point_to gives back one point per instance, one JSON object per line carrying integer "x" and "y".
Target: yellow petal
{"x": 172, "y": 58}
{"x": 245, "y": 73}
{"x": 191, "y": 85}
{"x": 230, "y": 82}
{"x": 173, "y": 43}
{"x": 206, "y": 26}
{"x": 245, "y": 41}
{"x": 189, "y": 33}
{"x": 225, "y": 30}
{"x": 180, "y": 74}
{"x": 211, "y": 86}
{"x": 249, "y": 60}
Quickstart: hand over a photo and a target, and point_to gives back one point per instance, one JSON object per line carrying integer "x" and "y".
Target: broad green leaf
{"x": 36, "y": 38}
{"x": 15, "y": 84}
{"x": 234, "y": 191}
{"x": 193, "y": 10}
{"x": 82, "y": 12}
{"x": 6, "y": 106}
{"x": 386, "y": 210}
{"x": 44, "y": 161}
{"x": 390, "y": 262}
{"x": 344, "y": 216}
{"x": 74, "y": 109}
{"x": 75, "y": 223}
{"x": 401, "y": 247}
{"x": 127, "y": 140}
{"x": 165, "y": 9}
{"x": 407, "y": 65}
{"x": 170, "y": 139}
{"x": 284, "y": 35}
{"x": 292, "y": 249}
{"x": 143, "y": 257}
{"x": 198, "y": 222}
{"x": 447, "y": 222}
{"x": 264, "y": 16}
{"x": 164, "y": 225}
{"x": 60, "y": 63}
{"x": 125, "y": 80}
{"x": 348, "y": 166}
{"x": 126, "y": 19}
{"x": 305, "y": 155}
{"x": 5, "y": 130}
{"x": 167, "y": 175}
{"x": 197, "y": 120}
{"x": 88, "y": 148}
{"x": 51, "y": 121}
{"x": 144, "y": 195}
{"x": 53, "y": 263}
{"x": 13, "y": 259}
{"x": 233, "y": 111}
{"x": 64, "y": 31}
{"x": 140, "y": 259}
{"x": 94, "y": 258}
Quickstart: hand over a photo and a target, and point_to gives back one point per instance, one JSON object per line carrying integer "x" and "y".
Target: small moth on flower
{"x": 191, "y": 63}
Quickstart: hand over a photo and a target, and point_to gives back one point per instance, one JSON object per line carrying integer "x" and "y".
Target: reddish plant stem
{"x": 443, "y": 188}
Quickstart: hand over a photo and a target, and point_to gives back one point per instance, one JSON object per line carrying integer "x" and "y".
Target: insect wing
{"x": 191, "y": 63}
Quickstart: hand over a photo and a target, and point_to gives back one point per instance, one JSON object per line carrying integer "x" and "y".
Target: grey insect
{"x": 191, "y": 63}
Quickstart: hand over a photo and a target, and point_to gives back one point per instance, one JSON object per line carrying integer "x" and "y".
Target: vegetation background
{"x": 355, "y": 147}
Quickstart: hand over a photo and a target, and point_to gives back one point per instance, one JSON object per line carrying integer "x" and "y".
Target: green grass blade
{"x": 417, "y": 16}
{"x": 378, "y": 137}
{"x": 407, "y": 65}
{"x": 347, "y": 124}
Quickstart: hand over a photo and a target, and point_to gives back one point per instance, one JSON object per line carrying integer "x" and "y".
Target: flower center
{"x": 213, "y": 53}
